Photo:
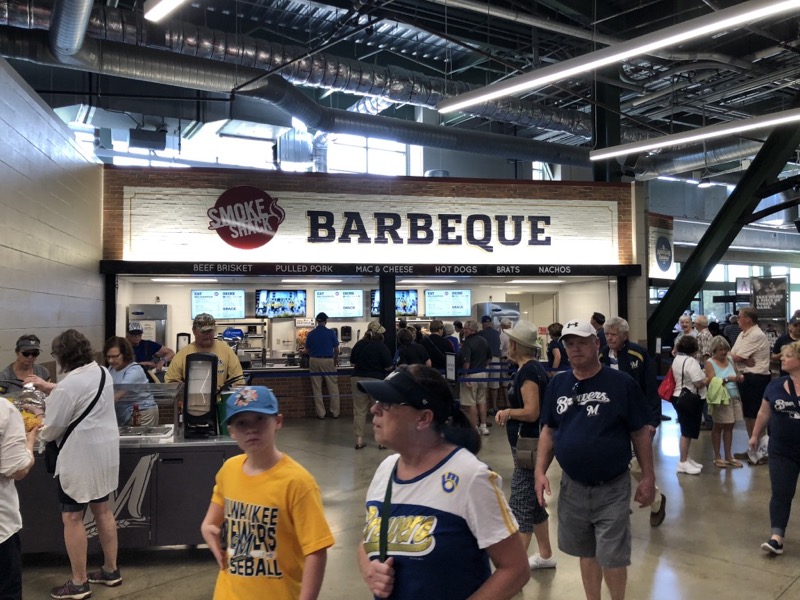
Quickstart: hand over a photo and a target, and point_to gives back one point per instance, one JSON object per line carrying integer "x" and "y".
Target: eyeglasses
{"x": 112, "y": 356}
{"x": 29, "y": 353}
{"x": 385, "y": 406}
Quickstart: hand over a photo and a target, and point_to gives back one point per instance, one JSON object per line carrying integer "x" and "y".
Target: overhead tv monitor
{"x": 448, "y": 303}
{"x": 375, "y": 303}
{"x": 280, "y": 304}
{"x": 339, "y": 304}
{"x": 406, "y": 303}
{"x": 220, "y": 304}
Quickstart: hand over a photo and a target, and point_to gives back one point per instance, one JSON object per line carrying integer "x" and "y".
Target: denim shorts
{"x": 594, "y": 520}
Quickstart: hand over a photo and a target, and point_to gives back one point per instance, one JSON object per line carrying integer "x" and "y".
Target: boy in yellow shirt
{"x": 265, "y": 524}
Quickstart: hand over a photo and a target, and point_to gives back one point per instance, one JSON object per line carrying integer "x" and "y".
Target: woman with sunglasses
{"x": 28, "y": 350}
{"x": 436, "y": 516}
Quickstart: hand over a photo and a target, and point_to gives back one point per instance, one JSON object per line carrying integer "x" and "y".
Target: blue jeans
{"x": 783, "y": 472}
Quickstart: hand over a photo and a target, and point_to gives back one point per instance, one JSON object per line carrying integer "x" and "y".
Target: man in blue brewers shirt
{"x": 322, "y": 346}
{"x": 590, "y": 416}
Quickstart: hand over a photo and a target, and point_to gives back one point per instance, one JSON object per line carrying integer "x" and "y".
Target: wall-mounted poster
{"x": 769, "y": 297}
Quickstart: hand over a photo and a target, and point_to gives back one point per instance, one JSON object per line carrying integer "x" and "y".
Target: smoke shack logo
{"x": 663, "y": 253}
{"x": 246, "y": 217}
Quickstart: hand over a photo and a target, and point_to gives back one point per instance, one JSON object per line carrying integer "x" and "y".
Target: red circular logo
{"x": 246, "y": 217}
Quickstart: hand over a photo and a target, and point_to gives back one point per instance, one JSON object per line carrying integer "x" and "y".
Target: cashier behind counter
{"x": 204, "y": 329}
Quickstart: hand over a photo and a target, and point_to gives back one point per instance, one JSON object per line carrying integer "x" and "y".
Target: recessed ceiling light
{"x": 300, "y": 280}
{"x": 184, "y": 280}
{"x": 536, "y": 281}
{"x": 430, "y": 281}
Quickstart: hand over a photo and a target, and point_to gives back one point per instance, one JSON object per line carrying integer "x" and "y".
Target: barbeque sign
{"x": 246, "y": 217}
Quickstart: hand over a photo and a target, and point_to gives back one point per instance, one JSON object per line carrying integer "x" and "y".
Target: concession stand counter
{"x": 165, "y": 484}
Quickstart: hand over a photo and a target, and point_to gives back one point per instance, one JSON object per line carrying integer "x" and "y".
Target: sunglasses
{"x": 29, "y": 353}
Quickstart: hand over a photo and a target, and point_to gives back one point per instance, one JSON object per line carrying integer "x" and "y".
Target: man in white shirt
{"x": 751, "y": 354}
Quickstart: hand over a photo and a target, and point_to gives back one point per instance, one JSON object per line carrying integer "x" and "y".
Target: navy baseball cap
{"x": 486, "y": 319}
{"x": 401, "y": 388}
{"x": 256, "y": 398}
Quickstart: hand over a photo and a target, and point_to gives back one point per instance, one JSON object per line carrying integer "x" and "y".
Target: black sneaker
{"x": 657, "y": 518}
{"x": 70, "y": 591}
{"x": 772, "y": 546}
{"x": 108, "y": 578}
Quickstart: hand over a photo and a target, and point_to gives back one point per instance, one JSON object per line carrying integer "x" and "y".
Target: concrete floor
{"x": 708, "y": 546}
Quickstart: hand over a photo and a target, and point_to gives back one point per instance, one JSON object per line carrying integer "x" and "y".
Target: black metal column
{"x": 733, "y": 215}
{"x": 622, "y": 296}
{"x": 606, "y": 121}
{"x": 110, "y": 307}
{"x": 386, "y": 286}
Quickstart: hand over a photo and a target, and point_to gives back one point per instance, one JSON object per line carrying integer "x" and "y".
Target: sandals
{"x": 361, "y": 445}
{"x": 718, "y": 462}
{"x": 733, "y": 463}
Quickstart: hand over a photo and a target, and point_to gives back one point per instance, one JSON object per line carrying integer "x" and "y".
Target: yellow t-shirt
{"x": 228, "y": 366}
{"x": 272, "y": 522}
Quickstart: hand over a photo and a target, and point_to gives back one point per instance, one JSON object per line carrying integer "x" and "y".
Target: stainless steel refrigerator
{"x": 153, "y": 319}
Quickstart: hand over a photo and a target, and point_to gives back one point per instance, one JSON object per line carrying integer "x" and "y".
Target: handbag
{"x": 526, "y": 451}
{"x": 687, "y": 400}
{"x": 667, "y": 387}
{"x": 52, "y": 449}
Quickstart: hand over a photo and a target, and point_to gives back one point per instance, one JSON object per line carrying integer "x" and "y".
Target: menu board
{"x": 339, "y": 303}
{"x": 448, "y": 303}
{"x": 220, "y": 304}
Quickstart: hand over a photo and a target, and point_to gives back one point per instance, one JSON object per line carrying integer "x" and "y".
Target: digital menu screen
{"x": 448, "y": 303}
{"x": 220, "y": 304}
{"x": 339, "y": 303}
{"x": 280, "y": 304}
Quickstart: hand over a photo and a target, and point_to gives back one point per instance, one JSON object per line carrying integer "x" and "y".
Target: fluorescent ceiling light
{"x": 536, "y": 281}
{"x": 302, "y": 280}
{"x": 696, "y": 135}
{"x": 741, "y": 14}
{"x": 155, "y": 10}
{"x": 183, "y": 280}
{"x": 430, "y": 281}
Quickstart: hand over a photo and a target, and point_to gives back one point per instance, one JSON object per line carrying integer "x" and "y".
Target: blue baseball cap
{"x": 256, "y": 398}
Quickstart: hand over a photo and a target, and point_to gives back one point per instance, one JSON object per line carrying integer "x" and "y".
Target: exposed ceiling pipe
{"x": 650, "y": 168}
{"x": 578, "y": 32}
{"x": 146, "y": 64}
{"x": 68, "y": 25}
{"x": 322, "y": 70}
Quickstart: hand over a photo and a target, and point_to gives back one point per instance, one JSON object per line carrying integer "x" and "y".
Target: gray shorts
{"x": 594, "y": 520}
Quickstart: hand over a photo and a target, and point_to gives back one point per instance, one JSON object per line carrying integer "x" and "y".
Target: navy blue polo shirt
{"x": 321, "y": 342}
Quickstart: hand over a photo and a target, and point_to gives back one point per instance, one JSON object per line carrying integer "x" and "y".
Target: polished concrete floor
{"x": 707, "y": 547}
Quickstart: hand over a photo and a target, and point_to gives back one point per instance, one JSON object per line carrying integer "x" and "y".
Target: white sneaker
{"x": 688, "y": 468}
{"x": 696, "y": 465}
{"x": 483, "y": 429}
{"x": 537, "y": 562}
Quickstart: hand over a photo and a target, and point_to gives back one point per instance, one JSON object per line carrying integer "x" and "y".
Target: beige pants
{"x": 361, "y": 402}
{"x": 324, "y": 365}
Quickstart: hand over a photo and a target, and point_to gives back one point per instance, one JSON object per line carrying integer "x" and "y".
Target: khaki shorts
{"x": 472, "y": 394}
{"x": 727, "y": 414}
{"x": 494, "y": 372}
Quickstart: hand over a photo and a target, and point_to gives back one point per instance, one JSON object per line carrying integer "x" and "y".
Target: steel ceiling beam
{"x": 766, "y": 166}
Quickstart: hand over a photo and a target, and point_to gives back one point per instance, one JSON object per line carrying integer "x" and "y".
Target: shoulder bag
{"x": 667, "y": 387}
{"x": 526, "y": 446}
{"x": 52, "y": 449}
{"x": 687, "y": 400}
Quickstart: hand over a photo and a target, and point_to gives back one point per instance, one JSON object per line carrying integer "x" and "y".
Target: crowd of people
{"x": 593, "y": 406}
